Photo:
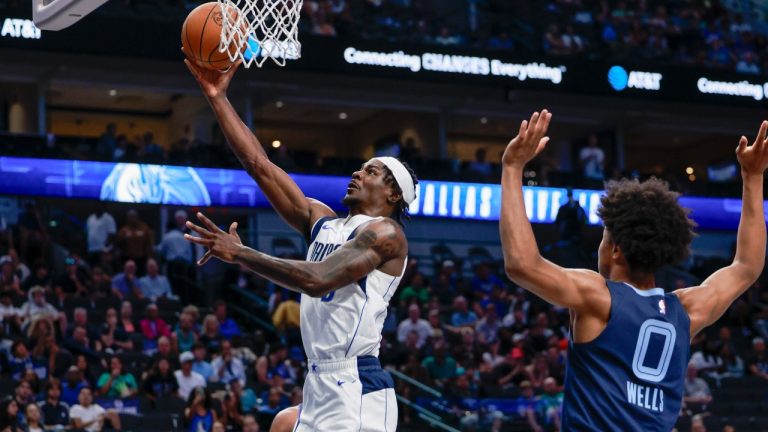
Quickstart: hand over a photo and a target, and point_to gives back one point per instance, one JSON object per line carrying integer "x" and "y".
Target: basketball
{"x": 201, "y": 33}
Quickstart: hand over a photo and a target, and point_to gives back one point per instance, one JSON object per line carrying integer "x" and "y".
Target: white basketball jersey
{"x": 347, "y": 322}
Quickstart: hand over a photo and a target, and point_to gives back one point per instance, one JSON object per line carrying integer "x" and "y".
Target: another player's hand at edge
{"x": 754, "y": 158}
{"x": 221, "y": 244}
{"x": 529, "y": 142}
{"x": 213, "y": 83}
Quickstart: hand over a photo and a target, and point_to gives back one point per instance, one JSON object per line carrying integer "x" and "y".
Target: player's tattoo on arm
{"x": 350, "y": 263}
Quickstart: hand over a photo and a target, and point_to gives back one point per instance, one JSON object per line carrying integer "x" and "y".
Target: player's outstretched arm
{"x": 377, "y": 243}
{"x": 288, "y": 200}
{"x": 707, "y": 303}
{"x": 581, "y": 290}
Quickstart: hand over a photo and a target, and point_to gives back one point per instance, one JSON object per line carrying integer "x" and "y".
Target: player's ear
{"x": 394, "y": 198}
{"x": 616, "y": 253}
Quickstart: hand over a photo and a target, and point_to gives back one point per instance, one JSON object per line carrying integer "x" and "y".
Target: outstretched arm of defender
{"x": 377, "y": 242}
{"x": 575, "y": 289}
{"x": 707, "y": 303}
{"x": 282, "y": 192}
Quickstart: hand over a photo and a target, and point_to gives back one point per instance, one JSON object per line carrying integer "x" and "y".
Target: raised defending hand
{"x": 530, "y": 140}
{"x": 221, "y": 244}
{"x": 213, "y": 83}
{"x": 754, "y": 158}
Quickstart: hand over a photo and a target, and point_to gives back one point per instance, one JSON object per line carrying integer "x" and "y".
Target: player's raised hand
{"x": 530, "y": 140}
{"x": 213, "y": 83}
{"x": 754, "y": 158}
{"x": 221, "y": 244}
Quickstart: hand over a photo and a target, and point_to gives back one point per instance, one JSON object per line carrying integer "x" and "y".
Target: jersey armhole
{"x": 611, "y": 316}
{"x": 316, "y": 228}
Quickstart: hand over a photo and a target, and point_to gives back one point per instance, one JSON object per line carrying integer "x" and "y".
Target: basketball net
{"x": 263, "y": 29}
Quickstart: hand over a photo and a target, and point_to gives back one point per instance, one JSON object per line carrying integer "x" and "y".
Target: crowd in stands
{"x": 89, "y": 341}
{"x": 701, "y": 33}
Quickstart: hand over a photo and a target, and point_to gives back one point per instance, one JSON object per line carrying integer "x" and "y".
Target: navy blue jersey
{"x": 630, "y": 378}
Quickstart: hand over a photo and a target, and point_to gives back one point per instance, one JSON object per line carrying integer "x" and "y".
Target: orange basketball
{"x": 201, "y": 33}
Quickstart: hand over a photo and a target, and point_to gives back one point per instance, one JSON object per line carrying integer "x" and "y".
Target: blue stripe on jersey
{"x": 359, "y": 320}
{"x": 317, "y": 227}
{"x": 298, "y": 420}
{"x": 630, "y": 378}
{"x": 372, "y": 376}
{"x": 352, "y": 236}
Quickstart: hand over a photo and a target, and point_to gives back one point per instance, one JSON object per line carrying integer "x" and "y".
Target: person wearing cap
{"x": 353, "y": 267}
{"x": 186, "y": 377}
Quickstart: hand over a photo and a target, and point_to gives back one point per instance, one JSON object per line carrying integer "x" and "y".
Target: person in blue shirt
{"x": 154, "y": 285}
{"x": 227, "y": 326}
{"x": 462, "y": 316}
{"x": 629, "y": 340}
{"x": 200, "y": 365}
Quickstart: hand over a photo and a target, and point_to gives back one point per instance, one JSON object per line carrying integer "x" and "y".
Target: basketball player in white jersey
{"x": 353, "y": 268}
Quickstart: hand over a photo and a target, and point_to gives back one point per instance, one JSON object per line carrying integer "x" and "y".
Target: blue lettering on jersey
{"x": 321, "y": 250}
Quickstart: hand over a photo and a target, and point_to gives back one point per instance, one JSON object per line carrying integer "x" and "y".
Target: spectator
{"x": 227, "y": 326}
{"x": 34, "y": 419}
{"x": 570, "y": 219}
{"x": 272, "y": 365}
{"x": 152, "y": 328}
{"x": 445, "y": 37}
{"x": 547, "y": 409}
{"x": 758, "y": 362}
{"x": 232, "y": 413}
{"x": 74, "y": 280}
{"x": 249, "y": 424}
{"x": 117, "y": 383}
{"x": 199, "y": 413}
{"x": 113, "y": 339}
{"x": 187, "y": 379}
{"x": 415, "y": 290}
{"x": 101, "y": 229}
{"x": 165, "y": 351}
{"x": 55, "y": 412}
{"x": 71, "y": 386}
{"x": 80, "y": 343}
{"x": 286, "y": 317}
{"x": 126, "y": 285}
{"x": 161, "y": 381}
{"x": 20, "y": 360}
{"x": 480, "y": 167}
{"x": 592, "y": 160}
{"x": 151, "y": 151}
{"x": 200, "y": 365}
{"x": 501, "y": 42}
{"x": 23, "y": 396}
{"x": 80, "y": 319}
{"x": 488, "y": 327}
{"x": 173, "y": 247}
{"x": 9, "y": 415}
{"x": 154, "y": 285}
{"x": 210, "y": 336}
{"x": 136, "y": 240}
{"x": 554, "y": 42}
{"x": 184, "y": 336}
{"x": 732, "y": 363}
{"x": 107, "y": 144}
{"x": 37, "y": 308}
{"x": 101, "y": 283}
{"x": 462, "y": 316}
{"x": 90, "y": 416}
{"x": 484, "y": 279}
{"x": 707, "y": 361}
{"x": 414, "y": 322}
{"x": 33, "y": 236}
{"x": 41, "y": 275}
{"x": 696, "y": 393}
{"x": 747, "y": 64}
{"x": 246, "y": 397}
{"x": 9, "y": 281}
{"x": 440, "y": 366}
{"x": 572, "y": 42}
{"x": 226, "y": 367}
{"x": 10, "y": 317}
{"x": 126, "y": 323}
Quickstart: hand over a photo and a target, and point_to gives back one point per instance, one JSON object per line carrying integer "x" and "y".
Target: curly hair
{"x": 646, "y": 221}
{"x": 401, "y": 209}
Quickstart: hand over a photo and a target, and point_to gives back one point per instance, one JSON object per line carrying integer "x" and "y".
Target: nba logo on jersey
{"x": 662, "y": 307}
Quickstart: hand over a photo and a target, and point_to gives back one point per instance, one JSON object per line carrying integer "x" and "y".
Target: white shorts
{"x": 348, "y": 395}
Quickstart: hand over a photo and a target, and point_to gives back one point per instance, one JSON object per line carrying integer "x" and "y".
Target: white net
{"x": 257, "y": 30}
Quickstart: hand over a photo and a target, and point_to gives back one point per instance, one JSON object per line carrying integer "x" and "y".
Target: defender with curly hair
{"x": 630, "y": 340}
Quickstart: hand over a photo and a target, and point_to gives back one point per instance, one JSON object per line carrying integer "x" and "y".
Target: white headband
{"x": 402, "y": 177}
